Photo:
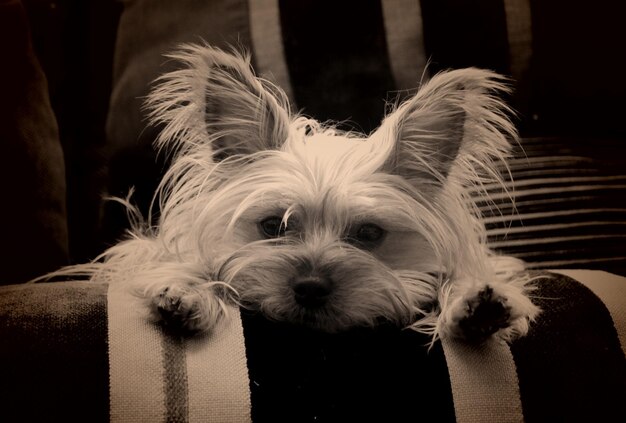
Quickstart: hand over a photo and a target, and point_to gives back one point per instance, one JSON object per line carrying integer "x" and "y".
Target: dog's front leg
{"x": 181, "y": 298}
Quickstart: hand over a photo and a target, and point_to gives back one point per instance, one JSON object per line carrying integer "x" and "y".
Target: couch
{"x": 75, "y": 132}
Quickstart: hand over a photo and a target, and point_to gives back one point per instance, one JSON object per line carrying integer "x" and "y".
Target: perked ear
{"x": 455, "y": 121}
{"x": 215, "y": 101}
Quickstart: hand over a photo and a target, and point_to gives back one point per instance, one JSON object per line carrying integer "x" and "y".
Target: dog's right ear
{"x": 216, "y": 102}
{"x": 456, "y": 126}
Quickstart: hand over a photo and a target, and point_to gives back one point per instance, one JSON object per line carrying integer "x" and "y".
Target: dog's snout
{"x": 311, "y": 291}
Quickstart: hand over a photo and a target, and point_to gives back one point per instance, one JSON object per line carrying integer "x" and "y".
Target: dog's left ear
{"x": 456, "y": 120}
{"x": 216, "y": 103}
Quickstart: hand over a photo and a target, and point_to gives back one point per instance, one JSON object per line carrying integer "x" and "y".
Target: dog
{"x": 308, "y": 224}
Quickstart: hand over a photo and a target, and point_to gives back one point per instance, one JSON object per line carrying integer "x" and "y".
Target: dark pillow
{"x": 32, "y": 169}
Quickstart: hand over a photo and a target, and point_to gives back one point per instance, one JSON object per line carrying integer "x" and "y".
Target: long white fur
{"x": 205, "y": 249}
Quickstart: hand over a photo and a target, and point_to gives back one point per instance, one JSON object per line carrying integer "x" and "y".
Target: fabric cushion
{"x": 72, "y": 354}
{"x": 569, "y": 208}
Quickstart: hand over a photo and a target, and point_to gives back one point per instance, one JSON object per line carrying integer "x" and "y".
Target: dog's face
{"x": 318, "y": 235}
{"x": 312, "y": 225}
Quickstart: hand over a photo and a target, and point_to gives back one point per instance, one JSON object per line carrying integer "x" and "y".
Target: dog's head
{"x": 318, "y": 226}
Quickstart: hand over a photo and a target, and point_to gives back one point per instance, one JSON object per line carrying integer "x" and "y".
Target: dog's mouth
{"x": 325, "y": 310}
{"x": 322, "y": 300}
{"x": 316, "y": 314}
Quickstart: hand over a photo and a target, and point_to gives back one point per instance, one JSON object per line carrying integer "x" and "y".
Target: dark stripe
{"x": 175, "y": 379}
{"x": 337, "y": 57}
{"x": 564, "y": 31}
{"x": 54, "y": 353}
{"x": 461, "y": 33}
{"x": 386, "y": 375}
{"x": 571, "y": 367}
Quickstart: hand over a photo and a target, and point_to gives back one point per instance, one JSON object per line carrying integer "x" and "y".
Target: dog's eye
{"x": 367, "y": 235}
{"x": 272, "y": 227}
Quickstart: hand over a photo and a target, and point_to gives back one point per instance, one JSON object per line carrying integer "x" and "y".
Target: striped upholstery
{"x": 84, "y": 352}
{"x": 570, "y": 205}
{"x": 164, "y": 377}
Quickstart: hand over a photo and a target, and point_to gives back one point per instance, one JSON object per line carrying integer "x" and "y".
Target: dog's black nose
{"x": 311, "y": 291}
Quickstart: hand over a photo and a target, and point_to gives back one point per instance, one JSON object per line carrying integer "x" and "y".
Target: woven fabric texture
{"x": 85, "y": 352}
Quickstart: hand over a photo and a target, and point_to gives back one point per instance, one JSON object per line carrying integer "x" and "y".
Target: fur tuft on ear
{"x": 215, "y": 102}
{"x": 456, "y": 126}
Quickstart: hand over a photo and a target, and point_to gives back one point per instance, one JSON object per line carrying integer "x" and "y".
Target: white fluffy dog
{"x": 315, "y": 226}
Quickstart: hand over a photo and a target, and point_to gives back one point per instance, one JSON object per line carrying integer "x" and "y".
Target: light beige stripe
{"x": 555, "y": 170}
{"x": 135, "y": 360}
{"x": 500, "y": 208}
{"x": 267, "y": 43}
{"x": 550, "y": 240}
{"x": 217, "y": 373}
{"x": 405, "y": 42}
{"x": 551, "y": 190}
{"x": 557, "y": 226}
{"x": 519, "y": 31}
{"x": 611, "y": 289}
{"x": 527, "y": 161}
{"x": 555, "y": 180}
{"x": 569, "y": 263}
{"x": 484, "y": 382}
{"x": 541, "y": 215}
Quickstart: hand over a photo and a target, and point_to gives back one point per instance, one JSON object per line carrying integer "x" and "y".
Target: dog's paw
{"x": 186, "y": 309}
{"x": 485, "y": 314}
{"x": 493, "y": 309}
